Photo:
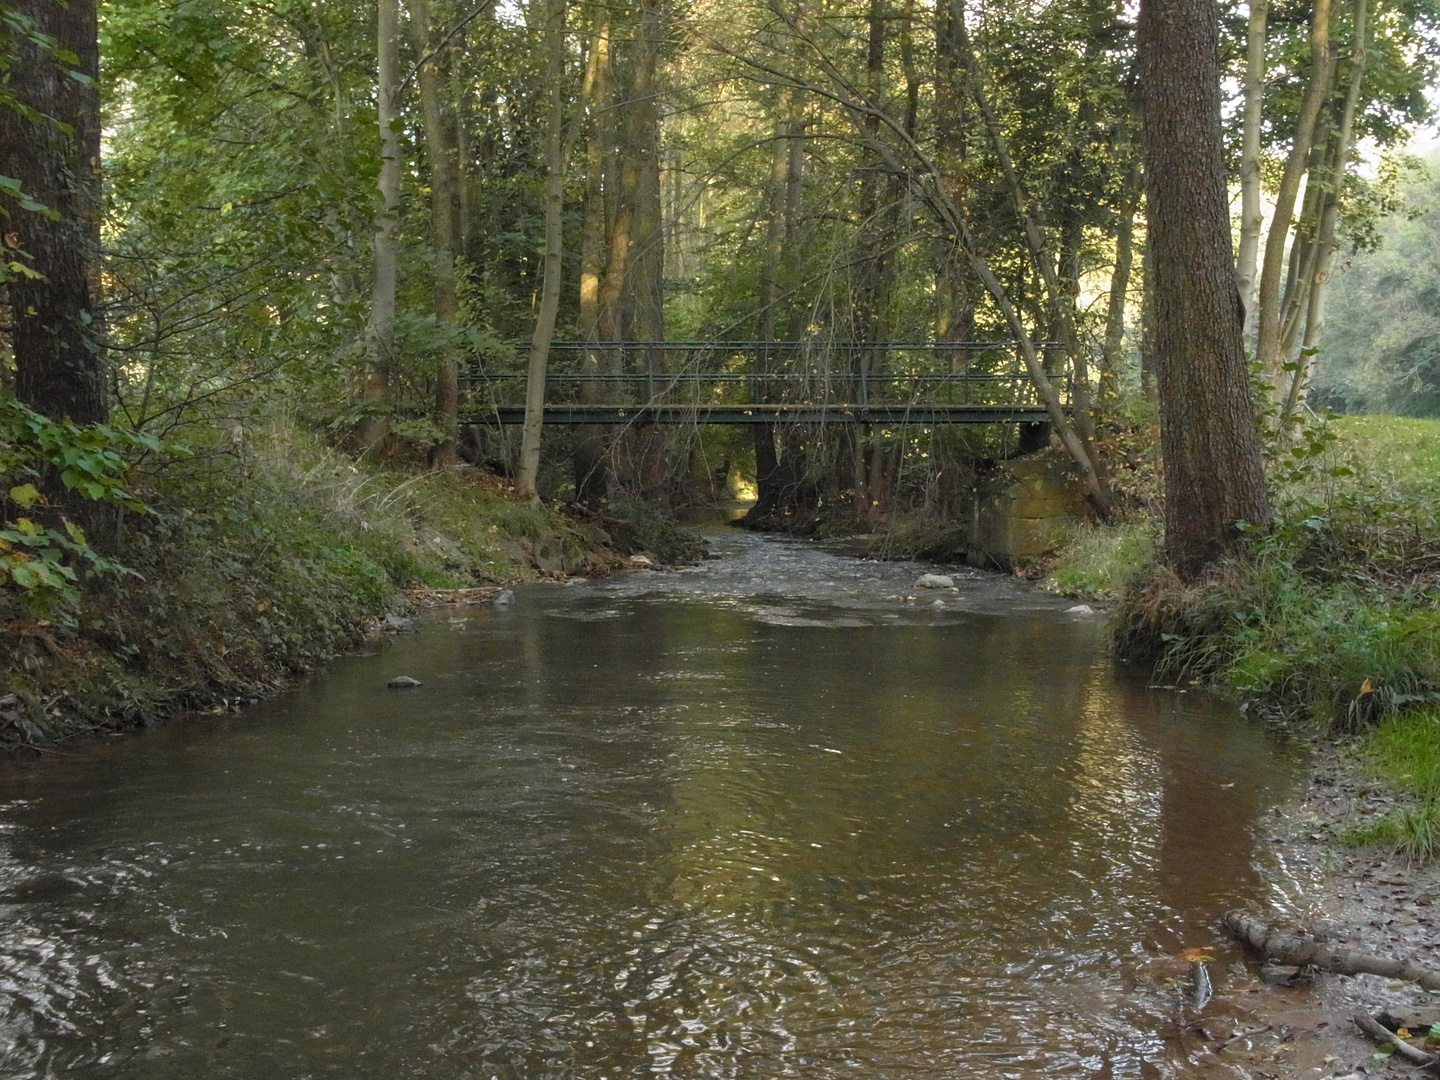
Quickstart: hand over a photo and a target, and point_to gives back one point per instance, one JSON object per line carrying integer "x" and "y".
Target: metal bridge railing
{"x": 827, "y": 374}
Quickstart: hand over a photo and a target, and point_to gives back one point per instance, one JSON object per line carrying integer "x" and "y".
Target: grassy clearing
{"x": 259, "y": 562}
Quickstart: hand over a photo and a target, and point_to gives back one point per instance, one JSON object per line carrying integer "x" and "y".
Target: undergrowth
{"x": 1332, "y": 611}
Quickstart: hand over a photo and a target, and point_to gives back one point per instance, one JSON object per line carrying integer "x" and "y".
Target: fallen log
{"x": 1291, "y": 948}
{"x": 1385, "y": 1037}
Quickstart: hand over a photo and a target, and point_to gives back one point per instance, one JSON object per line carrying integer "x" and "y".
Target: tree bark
{"x": 52, "y": 148}
{"x": 554, "y": 251}
{"x": 1252, "y": 217}
{"x": 380, "y": 332}
{"x": 1214, "y": 480}
{"x": 767, "y": 460}
{"x": 442, "y": 232}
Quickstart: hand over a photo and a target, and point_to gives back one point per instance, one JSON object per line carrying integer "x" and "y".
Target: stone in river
{"x": 403, "y": 682}
{"x": 935, "y": 581}
{"x": 505, "y": 598}
{"x": 1080, "y": 609}
{"x": 640, "y": 562}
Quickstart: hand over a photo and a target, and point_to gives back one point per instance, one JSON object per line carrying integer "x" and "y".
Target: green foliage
{"x": 42, "y": 560}
{"x": 1382, "y": 345}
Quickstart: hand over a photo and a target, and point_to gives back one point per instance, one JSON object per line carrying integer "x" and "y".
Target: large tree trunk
{"x": 1214, "y": 480}
{"x": 442, "y": 231}
{"x": 1252, "y": 217}
{"x": 554, "y": 250}
{"x": 51, "y": 145}
{"x": 1268, "y": 347}
{"x": 380, "y": 335}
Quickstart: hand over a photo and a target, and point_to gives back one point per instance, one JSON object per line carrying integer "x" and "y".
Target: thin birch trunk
{"x": 591, "y": 469}
{"x": 442, "y": 231}
{"x": 375, "y": 388}
{"x": 1252, "y": 217}
{"x": 1326, "y": 242}
{"x": 554, "y": 250}
{"x": 1110, "y": 357}
{"x": 1267, "y": 345}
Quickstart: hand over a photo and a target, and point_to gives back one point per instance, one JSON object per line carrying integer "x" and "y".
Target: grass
{"x": 1099, "y": 560}
{"x": 1404, "y": 751}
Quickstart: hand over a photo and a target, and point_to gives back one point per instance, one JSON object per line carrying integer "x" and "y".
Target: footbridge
{"x": 757, "y": 382}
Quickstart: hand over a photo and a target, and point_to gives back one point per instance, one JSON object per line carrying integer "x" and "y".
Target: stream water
{"x": 767, "y": 817}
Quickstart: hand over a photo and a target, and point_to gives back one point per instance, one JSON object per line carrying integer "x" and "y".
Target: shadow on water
{"x": 765, "y": 818}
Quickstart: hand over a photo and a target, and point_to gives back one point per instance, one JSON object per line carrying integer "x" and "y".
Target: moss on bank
{"x": 259, "y": 562}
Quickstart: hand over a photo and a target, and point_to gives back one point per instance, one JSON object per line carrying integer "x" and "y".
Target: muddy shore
{"x": 1364, "y": 899}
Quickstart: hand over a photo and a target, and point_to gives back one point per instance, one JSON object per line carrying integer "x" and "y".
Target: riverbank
{"x": 259, "y": 560}
{"x": 1328, "y": 629}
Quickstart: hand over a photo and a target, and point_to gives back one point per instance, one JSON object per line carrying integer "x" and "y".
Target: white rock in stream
{"x": 935, "y": 581}
{"x": 1080, "y": 609}
{"x": 640, "y": 562}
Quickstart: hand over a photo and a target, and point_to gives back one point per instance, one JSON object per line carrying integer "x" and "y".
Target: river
{"x": 766, "y": 817}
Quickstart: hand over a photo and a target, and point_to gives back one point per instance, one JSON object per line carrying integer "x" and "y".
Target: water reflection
{"x": 767, "y": 819}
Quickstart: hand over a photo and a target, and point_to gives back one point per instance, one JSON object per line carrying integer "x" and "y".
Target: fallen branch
{"x": 1385, "y": 1037}
{"x": 1243, "y": 1035}
{"x": 1290, "y": 948}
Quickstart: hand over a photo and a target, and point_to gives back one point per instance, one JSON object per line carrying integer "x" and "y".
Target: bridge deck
{"x": 763, "y": 414}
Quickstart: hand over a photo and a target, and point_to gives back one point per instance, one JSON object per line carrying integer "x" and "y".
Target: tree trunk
{"x": 767, "y": 460}
{"x": 380, "y": 336}
{"x": 1060, "y": 304}
{"x": 52, "y": 148}
{"x": 1252, "y": 217}
{"x": 1268, "y": 346}
{"x": 442, "y": 233}
{"x": 554, "y": 251}
{"x": 1214, "y": 480}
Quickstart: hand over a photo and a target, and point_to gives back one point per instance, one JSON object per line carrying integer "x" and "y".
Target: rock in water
{"x": 505, "y": 598}
{"x": 935, "y": 581}
{"x": 640, "y": 562}
{"x": 397, "y": 624}
{"x": 938, "y": 603}
{"x": 403, "y": 682}
{"x": 1080, "y": 609}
